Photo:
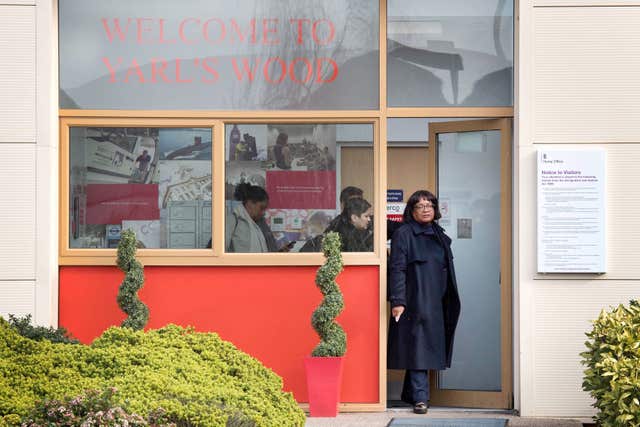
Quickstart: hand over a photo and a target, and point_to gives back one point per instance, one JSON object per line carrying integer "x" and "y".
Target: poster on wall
{"x": 246, "y": 142}
{"x": 184, "y": 144}
{"x": 302, "y": 190}
{"x": 571, "y": 211}
{"x": 183, "y": 180}
{"x": 114, "y": 203}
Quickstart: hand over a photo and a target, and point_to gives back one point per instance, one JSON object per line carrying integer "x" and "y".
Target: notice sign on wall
{"x": 571, "y": 211}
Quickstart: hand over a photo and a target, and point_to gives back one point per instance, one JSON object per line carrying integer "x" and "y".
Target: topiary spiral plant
{"x": 333, "y": 340}
{"x": 137, "y": 311}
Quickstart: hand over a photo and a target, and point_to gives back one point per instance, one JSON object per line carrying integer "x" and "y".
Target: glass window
{"x": 288, "y": 184}
{"x": 453, "y": 53}
{"x": 155, "y": 181}
{"x": 191, "y": 54}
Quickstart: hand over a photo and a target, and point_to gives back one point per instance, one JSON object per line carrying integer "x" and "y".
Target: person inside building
{"x": 425, "y": 305}
{"x": 315, "y": 244}
{"x": 354, "y": 226}
{"x": 242, "y": 233}
{"x": 246, "y": 229}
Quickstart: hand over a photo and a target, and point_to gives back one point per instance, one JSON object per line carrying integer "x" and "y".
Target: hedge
{"x": 195, "y": 377}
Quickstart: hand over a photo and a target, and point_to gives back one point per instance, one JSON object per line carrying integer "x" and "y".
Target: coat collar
{"x": 418, "y": 228}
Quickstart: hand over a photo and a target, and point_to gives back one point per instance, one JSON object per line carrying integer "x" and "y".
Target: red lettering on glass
{"x": 299, "y": 21}
{"x": 292, "y": 70}
{"x": 159, "y": 71}
{"x": 134, "y": 69}
{"x": 178, "y": 72}
{"x": 223, "y": 30}
{"x": 321, "y": 71}
{"x": 143, "y": 29}
{"x": 330, "y": 37}
{"x": 117, "y": 29}
{"x": 208, "y": 64}
{"x": 246, "y": 68}
{"x": 266, "y": 30}
{"x": 283, "y": 70}
{"x": 162, "y": 39}
{"x": 184, "y": 38}
{"x": 238, "y": 31}
{"x": 112, "y": 71}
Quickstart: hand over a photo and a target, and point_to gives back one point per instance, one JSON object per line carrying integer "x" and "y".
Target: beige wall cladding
{"x": 586, "y": 3}
{"x": 17, "y": 73}
{"x": 586, "y": 74}
{"x": 17, "y": 298}
{"x": 563, "y": 312}
{"x": 17, "y": 216}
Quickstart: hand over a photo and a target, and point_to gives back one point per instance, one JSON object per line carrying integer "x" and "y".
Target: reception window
{"x": 153, "y": 180}
{"x": 286, "y": 185}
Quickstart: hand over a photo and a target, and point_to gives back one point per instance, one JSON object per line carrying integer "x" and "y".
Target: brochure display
{"x": 571, "y": 211}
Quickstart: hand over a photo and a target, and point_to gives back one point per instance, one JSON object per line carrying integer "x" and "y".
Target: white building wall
{"x": 578, "y": 86}
{"x": 28, "y": 277}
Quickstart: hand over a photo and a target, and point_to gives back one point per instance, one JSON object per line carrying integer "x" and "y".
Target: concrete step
{"x": 382, "y": 419}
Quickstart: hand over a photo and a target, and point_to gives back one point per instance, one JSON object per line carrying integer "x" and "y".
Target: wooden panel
{"x": 356, "y": 169}
{"x": 17, "y": 216}
{"x": 586, "y": 80}
{"x": 18, "y": 298}
{"x": 562, "y": 312}
{"x": 18, "y": 68}
{"x": 407, "y": 168}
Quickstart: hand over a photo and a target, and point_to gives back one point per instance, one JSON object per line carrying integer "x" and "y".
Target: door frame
{"x": 484, "y": 399}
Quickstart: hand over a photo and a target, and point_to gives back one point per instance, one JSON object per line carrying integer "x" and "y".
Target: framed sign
{"x": 571, "y": 211}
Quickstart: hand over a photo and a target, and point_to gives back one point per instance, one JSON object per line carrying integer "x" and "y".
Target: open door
{"x": 470, "y": 172}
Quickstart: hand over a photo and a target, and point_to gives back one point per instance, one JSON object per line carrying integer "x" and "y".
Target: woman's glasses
{"x": 425, "y": 207}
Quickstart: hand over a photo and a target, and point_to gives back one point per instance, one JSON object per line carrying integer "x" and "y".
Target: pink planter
{"x": 324, "y": 378}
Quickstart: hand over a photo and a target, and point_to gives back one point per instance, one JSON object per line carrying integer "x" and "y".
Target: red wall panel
{"x": 264, "y": 311}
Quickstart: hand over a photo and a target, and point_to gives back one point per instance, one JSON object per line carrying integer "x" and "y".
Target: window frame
{"x": 216, "y": 254}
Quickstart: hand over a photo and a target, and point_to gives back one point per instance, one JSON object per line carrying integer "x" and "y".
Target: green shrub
{"x": 333, "y": 338}
{"x": 23, "y": 326}
{"x": 137, "y": 311}
{"x": 196, "y": 378}
{"x": 92, "y": 408}
{"x": 612, "y": 376}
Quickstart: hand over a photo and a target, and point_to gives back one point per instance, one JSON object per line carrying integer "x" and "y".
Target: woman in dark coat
{"x": 425, "y": 305}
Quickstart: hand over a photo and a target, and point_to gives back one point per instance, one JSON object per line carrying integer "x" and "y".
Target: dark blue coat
{"x": 423, "y": 280}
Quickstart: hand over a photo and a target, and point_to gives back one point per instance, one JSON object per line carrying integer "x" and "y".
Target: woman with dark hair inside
{"x": 425, "y": 305}
{"x": 353, "y": 226}
{"x": 243, "y": 232}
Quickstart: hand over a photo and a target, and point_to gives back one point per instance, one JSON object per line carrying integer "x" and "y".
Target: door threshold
{"x": 456, "y": 410}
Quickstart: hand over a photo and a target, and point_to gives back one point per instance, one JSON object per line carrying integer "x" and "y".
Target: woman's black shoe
{"x": 420, "y": 408}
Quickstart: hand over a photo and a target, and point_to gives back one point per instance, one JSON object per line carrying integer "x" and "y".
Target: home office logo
{"x": 547, "y": 160}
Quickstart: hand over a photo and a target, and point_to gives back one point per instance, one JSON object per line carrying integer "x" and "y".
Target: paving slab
{"x": 382, "y": 419}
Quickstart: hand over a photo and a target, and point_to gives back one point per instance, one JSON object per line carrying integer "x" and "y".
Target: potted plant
{"x": 324, "y": 366}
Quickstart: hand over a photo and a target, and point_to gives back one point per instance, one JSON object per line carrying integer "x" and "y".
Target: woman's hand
{"x": 397, "y": 311}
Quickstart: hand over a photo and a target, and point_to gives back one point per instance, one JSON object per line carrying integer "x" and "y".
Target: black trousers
{"x": 415, "y": 387}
